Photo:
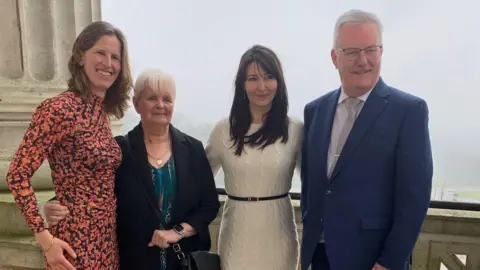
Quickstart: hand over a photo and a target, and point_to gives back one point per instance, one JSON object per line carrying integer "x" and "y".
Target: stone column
{"x": 35, "y": 45}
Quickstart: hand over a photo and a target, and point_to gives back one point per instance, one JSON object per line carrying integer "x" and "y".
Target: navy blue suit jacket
{"x": 372, "y": 208}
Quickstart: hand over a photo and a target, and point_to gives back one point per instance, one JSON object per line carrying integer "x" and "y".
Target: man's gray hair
{"x": 356, "y": 16}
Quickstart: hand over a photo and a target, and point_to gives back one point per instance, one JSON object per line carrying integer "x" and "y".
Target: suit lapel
{"x": 144, "y": 170}
{"x": 141, "y": 165}
{"x": 328, "y": 111}
{"x": 180, "y": 154}
{"x": 372, "y": 108}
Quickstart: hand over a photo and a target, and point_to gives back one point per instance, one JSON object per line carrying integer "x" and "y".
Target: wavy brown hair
{"x": 117, "y": 95}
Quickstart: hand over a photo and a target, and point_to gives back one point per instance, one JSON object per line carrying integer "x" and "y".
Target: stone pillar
{"x": 35, "y": 45}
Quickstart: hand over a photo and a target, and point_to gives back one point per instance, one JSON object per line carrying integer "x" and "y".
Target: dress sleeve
{"x": 213, "y": 150}
{"x": 298, "y": 148}
{"x": 49, "y": 124}
{"x": 298, "y": 161}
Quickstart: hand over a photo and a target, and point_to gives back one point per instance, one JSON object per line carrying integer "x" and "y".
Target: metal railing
{"x": 448, "y": 205}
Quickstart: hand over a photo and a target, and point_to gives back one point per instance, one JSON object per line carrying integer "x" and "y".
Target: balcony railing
{"x": 450, "y": 237}
{"x": 463, "y": 206}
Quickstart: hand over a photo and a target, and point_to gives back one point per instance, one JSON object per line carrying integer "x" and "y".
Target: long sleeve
{"x": 298, "y": 133}
{"x": 413, "y": 185}
{"x": 208, "y": 209}
{"x": 304, "y": 161}
{"x": 212, "y": 149}
{"x": 49, "y": 124}
{"x": 298, "y": 161}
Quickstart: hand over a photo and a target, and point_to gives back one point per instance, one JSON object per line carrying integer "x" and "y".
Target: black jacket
{"x": 196, "y": 201}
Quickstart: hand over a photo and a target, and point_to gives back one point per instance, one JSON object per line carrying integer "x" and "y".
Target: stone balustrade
{"x": 450, "y": 239}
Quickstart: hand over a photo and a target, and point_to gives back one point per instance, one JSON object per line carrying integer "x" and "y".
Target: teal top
{"x": 164, "y": 184}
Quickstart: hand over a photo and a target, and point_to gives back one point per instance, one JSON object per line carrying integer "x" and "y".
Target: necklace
{"x": 159, "y": 159}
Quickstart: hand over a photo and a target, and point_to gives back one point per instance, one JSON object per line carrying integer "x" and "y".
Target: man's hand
{"x": 378, "y": 267}
{"x": 54, "y": 212}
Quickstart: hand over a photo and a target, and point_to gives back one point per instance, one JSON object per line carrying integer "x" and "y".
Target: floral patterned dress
{"x": 76, "y": 139}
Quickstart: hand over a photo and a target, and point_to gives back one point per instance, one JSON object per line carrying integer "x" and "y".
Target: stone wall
{"x": 36, "y": 43}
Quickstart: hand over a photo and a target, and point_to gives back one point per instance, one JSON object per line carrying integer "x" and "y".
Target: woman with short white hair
{"x": 164, "y": 174}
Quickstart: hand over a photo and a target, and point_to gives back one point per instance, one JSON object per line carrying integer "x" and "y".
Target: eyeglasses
{"x": 370, "y": 51}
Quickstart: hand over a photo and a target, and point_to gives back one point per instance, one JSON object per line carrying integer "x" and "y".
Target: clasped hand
{"x": 55, "y": 212}
{"x": 378, "y": 267}
{"x": 164, "y": 238}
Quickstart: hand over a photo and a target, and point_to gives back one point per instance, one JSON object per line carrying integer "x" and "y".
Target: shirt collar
{"x": 344, "y": 96}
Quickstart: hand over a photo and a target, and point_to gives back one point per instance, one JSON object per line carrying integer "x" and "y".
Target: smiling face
{"x": 357, "y": 56}
{"x": 260, "y": 86}
{"x": 102, "y": 63}
{"x": 156, "y": 104}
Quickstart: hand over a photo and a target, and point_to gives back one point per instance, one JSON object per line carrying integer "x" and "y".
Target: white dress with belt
{"x": 262, "y": 234}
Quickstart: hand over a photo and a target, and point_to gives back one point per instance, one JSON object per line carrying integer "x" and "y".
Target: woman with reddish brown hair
{"x": 72, "y": 131}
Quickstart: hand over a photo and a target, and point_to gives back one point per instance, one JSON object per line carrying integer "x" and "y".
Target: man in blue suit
{"x": 367, "y": 162}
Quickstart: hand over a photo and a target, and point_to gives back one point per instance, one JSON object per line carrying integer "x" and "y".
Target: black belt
{"x": 256, "y": 199}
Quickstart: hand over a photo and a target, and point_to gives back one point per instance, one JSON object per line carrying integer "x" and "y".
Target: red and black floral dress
{"x": 76, "y": 139}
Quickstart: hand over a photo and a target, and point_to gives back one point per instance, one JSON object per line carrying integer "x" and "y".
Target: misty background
{"x": 431, "y": 50}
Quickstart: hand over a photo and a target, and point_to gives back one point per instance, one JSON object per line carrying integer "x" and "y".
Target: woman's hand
{"x": 54, "y": 212}
{"x": 164, "y": 238}
{"x": 54, "y": 249}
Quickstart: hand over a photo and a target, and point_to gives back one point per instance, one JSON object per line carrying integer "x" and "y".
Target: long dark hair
{"x": 275, "y": 125}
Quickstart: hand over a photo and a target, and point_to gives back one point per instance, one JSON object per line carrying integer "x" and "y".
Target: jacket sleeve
{"x": 413, "y": 184}
{"x": 209, "y": 205}
{"x": 304, "y": 162}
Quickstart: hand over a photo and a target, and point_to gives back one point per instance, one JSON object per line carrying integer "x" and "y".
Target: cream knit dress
{"x": 257, "y": 235}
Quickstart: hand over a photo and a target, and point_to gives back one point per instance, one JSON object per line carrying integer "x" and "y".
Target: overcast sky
{"x": 431, "y": 49}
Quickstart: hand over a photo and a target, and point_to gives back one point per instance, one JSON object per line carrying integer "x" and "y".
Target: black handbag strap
{"x": 176, "y": 247}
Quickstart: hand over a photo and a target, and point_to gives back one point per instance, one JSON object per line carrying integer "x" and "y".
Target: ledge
{"x": 453, "y": 214}
{"x": 13, "y": 223}
{"x": 20, "y": 253}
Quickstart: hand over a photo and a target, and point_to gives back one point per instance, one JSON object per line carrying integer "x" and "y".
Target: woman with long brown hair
{"x": 72, "y": 131}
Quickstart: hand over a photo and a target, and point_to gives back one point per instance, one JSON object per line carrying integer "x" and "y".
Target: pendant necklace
{"x": 158, "y": 159}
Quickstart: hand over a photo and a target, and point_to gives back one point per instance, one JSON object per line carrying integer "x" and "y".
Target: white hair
{"x": 359, "y": 17}
{"x": 154, "y": 79}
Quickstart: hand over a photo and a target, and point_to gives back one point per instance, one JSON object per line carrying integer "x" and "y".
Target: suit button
{"x": 321, "y": 220}
{"x": 327, "y": 192}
